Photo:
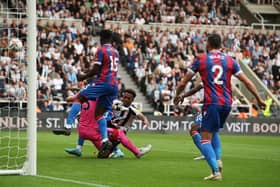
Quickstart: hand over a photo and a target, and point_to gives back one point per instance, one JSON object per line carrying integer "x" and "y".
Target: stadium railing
{"x": 266, "y": 26}
{"x": 261, "y": 87}
{"x": 10, "y": 16}
{"x": 21, "y": 104}
{"x": 172, "y": 26}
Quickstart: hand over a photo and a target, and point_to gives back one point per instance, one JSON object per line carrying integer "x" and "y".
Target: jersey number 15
{"x": 114, "y": 63}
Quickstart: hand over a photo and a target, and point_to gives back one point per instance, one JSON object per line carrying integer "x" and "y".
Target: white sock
{"x": 79, "y": 147}
{"x": 68, "y": 126}
{"x": 104, "y": 140}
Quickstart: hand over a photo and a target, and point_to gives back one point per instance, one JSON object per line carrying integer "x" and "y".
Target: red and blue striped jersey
{"x": 108, "y": 58}
{"x": 216, "y": 70}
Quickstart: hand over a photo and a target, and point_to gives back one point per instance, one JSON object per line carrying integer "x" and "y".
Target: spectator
{"x": 267, "y": 110}
{"x": 121, "y": 86}
{"x": 275, "y": 109}
{"x": 57, "y": 106}
{"x": 72, "y": 76}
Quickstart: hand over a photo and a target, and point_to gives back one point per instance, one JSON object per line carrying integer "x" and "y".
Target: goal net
{"x": 18, "y": 87}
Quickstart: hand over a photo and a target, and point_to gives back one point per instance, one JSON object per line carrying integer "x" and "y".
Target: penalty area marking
{"x": 71, "y": 181}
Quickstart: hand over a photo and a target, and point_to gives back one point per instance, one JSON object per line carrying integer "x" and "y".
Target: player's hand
{"x": 262, "y": 104}
{"x": 178, "y": 99}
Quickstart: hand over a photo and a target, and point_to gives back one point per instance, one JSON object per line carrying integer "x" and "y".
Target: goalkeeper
{"x": 123, "y": 113}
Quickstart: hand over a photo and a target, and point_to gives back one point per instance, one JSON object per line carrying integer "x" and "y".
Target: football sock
{"x": 216, "y": 143}
{"x": 81, "y": 141}
{"x": 102, "y": 127}
{"x": 108, "y": 115}
{"x": 79, "y": 147}
{"x": 196, "y": 139}
{"x": 210, "y": 155}
{"x": 128, "y": 144}
{"x": 116, "y": 148}
{"x": 75, "y": 109}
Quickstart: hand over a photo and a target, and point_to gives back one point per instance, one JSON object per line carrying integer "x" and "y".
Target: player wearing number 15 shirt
{"x": 104, "y": 88}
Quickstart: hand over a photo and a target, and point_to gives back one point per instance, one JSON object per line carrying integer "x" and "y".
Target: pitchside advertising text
{"x": 161, "y": 124}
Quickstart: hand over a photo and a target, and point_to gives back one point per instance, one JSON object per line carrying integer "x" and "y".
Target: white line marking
{"x": 71, "y": 181}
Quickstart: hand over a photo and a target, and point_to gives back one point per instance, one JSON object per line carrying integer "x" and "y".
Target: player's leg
{"x": 103, "y": 107}
{"x": 107, "y": 146}
{"x": 210, "y": 124}
{"x": 130, "y": 146}
{"x": 196, "y": 137}
{"x": 210, "y": 156}
{"x": 216, "y": 143}
{"x": 113, "y": 136}
{"x": 117, "y": 153}
{"x": 102, "y": 122}
{"x": 104, "y": 93}
{"x": 72, "y": 114}
{"x": 78, "y": 150}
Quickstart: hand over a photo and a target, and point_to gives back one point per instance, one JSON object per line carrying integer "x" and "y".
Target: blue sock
{"x": 216, "y": 143}
{"x": 80, "y": 141}
{"x": 116, "y": 149}
{"x": 196, "y": 140}
{"x": 102, "y": 127}
{"x": 209, "y": 154}
{"x": 108, "y": 115}
{"x": 75, "y": 109}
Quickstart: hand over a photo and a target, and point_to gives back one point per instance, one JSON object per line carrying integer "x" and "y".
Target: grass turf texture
{"x": 248, "y": 161}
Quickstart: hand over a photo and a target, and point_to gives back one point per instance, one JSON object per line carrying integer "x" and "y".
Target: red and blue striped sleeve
{"x": 99, "y": 56}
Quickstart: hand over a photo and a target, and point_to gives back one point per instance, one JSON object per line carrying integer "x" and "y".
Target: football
{"x": 15, "y": 44}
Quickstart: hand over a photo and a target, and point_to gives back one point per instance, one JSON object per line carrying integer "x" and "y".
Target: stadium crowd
{"x": 214, "y": 12}
{"x": 156, "y": 60}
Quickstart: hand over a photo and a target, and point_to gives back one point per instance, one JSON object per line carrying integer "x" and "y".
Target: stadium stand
{"x": 157, "y": 46}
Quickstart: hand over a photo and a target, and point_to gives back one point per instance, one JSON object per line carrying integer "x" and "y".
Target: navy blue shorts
{"x": 214, "y": 117}
{"x": 198, "y": 120}
{"x": 103, "y": 93}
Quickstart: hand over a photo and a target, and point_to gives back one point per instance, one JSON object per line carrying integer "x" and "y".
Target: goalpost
{"x": 18, "y": 149}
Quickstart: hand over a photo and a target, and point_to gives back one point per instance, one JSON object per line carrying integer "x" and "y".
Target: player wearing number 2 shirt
{"x": 104, "y": 89}
{"x": 216, "y": 70}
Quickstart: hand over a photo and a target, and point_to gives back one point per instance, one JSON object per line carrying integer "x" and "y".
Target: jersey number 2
{"x": 218, "y": 76}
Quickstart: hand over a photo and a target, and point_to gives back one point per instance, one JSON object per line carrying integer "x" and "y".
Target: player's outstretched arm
{"x": 181, "y": 86}
{"x": 94, "y": 71}
{"x": 143, "y": 118}
{"x": 251, "y": 87}
{"x": 189, "y": 93}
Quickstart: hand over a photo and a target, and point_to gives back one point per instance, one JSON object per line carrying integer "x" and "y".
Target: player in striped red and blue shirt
{"x": 104, "y": 88}
{"x": 215, "y": 69}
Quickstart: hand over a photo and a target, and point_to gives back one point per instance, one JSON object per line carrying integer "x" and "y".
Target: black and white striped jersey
{"x": 123, "y": 116}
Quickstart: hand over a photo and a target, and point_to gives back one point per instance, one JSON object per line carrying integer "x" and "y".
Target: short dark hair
{"x": 131, "y": 91}
{"x": 215, "y": 41}
{"x": 106, "y": 35}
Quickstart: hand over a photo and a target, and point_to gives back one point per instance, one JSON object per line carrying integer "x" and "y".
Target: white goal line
{"x": 71, "y": 181}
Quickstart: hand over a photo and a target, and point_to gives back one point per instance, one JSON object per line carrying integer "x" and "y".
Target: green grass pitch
{"x": 248, "y": 161}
